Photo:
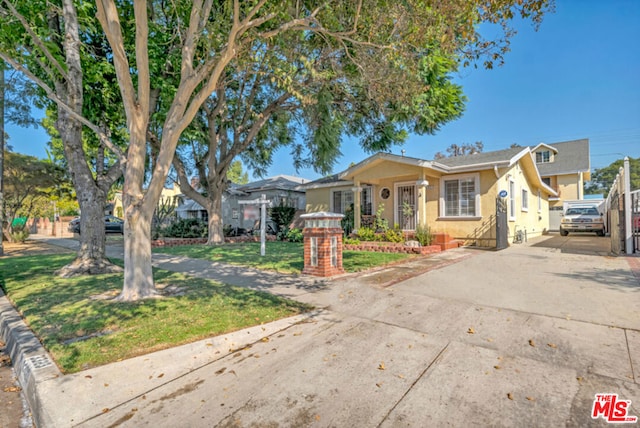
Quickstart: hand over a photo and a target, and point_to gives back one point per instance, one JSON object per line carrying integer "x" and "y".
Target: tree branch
{"x": 104, "y": 138}
{"x": 36, "y": 40}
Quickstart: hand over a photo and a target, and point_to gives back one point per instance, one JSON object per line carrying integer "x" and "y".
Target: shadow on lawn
{"x": 65, "y": 311}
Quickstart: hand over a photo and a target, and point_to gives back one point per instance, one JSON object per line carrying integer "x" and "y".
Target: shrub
{"x": 381, "y": 224}
{"x": 295, "y": 235}
{"x": 394, "y": 235}
{"x": 187, "y": 228}
{"x": 366, "y": 234}
{"x": 19, "y": 234}
{"x": 282, "y": 215}
{"x": 351, "y": 241}
{"x": 423, "y": 235}
{"x": 347, "y": 221}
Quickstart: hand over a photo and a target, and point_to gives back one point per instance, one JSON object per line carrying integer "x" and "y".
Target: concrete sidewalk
{"x": 452, "y": 346}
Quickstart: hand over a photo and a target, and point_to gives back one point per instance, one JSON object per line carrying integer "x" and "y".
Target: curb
{"x": 31, "y": 361}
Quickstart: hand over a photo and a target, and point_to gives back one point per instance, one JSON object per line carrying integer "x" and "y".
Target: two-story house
{"x": 564, "y": 167}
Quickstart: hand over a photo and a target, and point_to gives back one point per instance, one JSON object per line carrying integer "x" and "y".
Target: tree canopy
{"x": 30, "y": 185}
{"x": 602, "y": 178}
{"x": 362, "y": 58}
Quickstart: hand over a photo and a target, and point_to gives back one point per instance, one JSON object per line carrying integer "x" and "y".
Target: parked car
{"x": 111, "y": 225}
{"x": 582, "y": 219}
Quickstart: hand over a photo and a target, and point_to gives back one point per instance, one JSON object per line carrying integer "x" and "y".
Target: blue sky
{"x": 578, "y": 76}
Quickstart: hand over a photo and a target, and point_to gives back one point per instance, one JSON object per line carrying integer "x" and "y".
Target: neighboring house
{"x": 456, "y": 195}
{"x": 170, "y": 196}
{"x": 281, "y": 189}
{"x": 564, "y": 167}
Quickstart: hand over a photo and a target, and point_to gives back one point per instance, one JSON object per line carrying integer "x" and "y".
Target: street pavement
{"x": 522, "y": 337}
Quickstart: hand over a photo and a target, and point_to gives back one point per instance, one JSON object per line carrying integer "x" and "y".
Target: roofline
{"x": 577, "y": 171}
{"x": 542, "y": 184}
{"x": 553, "y": 149}
{"x": 328, "y": 184}
{"x": 400, "y": 159}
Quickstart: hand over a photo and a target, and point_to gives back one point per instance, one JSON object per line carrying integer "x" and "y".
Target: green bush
{"x": 423, "y": 235}
{"x": 366, "y": 234}
{"x": 187, "y": 228}
{"x": 295, "y": 235}
{"x": 394, "y": 235}
{"x": 282, "y": 215}
{"x": 19, "y": 234}
{"x": 351, "y": 241}
{"x": 381, "y": 224}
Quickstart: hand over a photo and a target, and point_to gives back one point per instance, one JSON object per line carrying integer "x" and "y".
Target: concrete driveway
{"x": 572, "y": 277}
{"x": 522, "y": 337}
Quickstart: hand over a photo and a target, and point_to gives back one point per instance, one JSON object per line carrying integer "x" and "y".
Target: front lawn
{"x": 283, "y": 257}
{"x": 82, "y": 327}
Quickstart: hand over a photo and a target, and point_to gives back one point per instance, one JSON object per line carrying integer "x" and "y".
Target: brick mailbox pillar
{"x": 322, "y": 244}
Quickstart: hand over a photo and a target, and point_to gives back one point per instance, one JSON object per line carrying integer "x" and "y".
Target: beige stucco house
{"x": 456, "y": 196}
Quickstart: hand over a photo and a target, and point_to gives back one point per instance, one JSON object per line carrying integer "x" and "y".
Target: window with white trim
{"x": 543, "y": 156}
{"x": 342, "y": 200}
{"x": 512, "y": 199}
{"x": 460, "y": 196}
{"x": 525, "y": 200}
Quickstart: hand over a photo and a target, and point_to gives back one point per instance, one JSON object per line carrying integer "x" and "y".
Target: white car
{"x": 582, "y": 219}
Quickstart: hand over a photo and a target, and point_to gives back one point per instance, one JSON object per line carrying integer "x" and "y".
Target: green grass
{"x": 283, "y": 257}
{"x": 60, "y": 311}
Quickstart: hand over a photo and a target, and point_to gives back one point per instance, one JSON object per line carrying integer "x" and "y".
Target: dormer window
{"x": 543, "y": 156}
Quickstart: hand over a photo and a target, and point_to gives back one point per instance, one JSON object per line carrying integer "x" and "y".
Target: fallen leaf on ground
{"x": 497, "y": 367}
{"x": 381, "y": 366}
{"x": 532, "y": 343}
{"x": 552, "y": 345}
{"x": 471, "y": 330}
{"x": 510, "y": 396}
{"x": 265, "y": 339}
{"x": 12, "y": 389}
{"x": 531, "y": 399}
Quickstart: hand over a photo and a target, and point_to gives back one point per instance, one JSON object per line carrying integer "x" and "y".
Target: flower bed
{"x": 173, "y": 242}
{"x": 392, "y": 247}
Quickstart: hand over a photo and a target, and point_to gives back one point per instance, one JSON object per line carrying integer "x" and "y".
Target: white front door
{"x": 405, "y": 206}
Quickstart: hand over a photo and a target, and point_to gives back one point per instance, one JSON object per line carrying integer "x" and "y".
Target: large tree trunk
{"x": 138, "y": 274}
{"x": 92, "y": 199}
{"x": 216, "y": 226}
{"x": 92, "y": 192}
{"x": 138, "y": 213}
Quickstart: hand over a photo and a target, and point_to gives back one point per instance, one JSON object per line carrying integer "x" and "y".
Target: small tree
{"x": 28, "y": 183}
{"x": 282, "y": 215}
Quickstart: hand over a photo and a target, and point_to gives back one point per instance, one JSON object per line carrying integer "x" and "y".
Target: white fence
{"x": 623, "y": 213}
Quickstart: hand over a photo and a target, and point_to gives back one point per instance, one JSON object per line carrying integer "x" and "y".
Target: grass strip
{"x": 283, "y": 257}
{"x": 81, "y": 325}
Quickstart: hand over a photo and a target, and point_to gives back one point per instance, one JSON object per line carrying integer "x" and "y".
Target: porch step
{"x": 445, "y": 241}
